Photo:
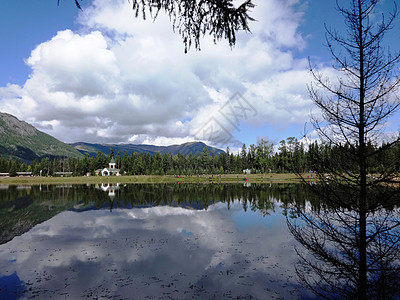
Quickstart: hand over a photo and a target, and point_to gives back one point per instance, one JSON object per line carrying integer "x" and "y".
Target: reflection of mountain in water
{"x": 23, "y": 207}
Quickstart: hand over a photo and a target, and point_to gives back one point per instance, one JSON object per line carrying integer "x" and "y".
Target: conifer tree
{"x": 353, "y": 243}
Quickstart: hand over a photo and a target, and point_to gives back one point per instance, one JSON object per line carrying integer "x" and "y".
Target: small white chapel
{"x": 110, "y": 171}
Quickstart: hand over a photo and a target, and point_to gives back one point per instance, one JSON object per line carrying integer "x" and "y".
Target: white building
{"x": 110, "y": 171}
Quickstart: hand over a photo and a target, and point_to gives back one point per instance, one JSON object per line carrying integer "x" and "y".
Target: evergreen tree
{"x": 354, "y": 238}
{"x": 243, "y": 157}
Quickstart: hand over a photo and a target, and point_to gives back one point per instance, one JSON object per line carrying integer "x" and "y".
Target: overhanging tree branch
{"x": 193, "y": 19}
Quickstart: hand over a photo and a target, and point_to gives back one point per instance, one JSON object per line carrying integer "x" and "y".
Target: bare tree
{"x": 193, "y": 19}
{"x": 354, "y": 239}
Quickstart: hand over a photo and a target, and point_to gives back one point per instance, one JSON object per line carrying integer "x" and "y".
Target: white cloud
{"x": 122, "y": 79}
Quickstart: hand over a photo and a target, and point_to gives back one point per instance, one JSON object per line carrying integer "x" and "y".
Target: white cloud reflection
{"x": 156, "y": 252}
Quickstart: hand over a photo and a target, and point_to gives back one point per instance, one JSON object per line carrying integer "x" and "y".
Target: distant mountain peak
{"x": 19, "y": 139}
{"x": 195, "y": 148}
{"x": 12, "y": 123}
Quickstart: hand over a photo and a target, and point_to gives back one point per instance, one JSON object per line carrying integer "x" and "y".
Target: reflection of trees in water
{"x": 331, "y": 235}
{"x": 257, "y": 197}
{"x": 354, "y": 238}
{"x": 21, "y": 208}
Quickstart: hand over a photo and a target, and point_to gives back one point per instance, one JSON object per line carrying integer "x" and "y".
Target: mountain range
{"x": 195, "y": 148}
{"x": 21, "y": 140}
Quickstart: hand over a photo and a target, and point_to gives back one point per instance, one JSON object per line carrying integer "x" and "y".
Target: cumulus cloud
{"x": 123, "y": 79}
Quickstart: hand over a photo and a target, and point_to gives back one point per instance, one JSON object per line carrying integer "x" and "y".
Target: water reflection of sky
{"x": 246, "y": 220}
{"x": 164, "y": 251}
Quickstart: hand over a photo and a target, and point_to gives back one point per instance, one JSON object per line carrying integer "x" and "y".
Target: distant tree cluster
{"x": 292, "y": 157}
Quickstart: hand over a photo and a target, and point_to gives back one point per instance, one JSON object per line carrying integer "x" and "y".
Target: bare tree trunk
{"x": 355, "y": 235}
{"x": 362, "y": 290}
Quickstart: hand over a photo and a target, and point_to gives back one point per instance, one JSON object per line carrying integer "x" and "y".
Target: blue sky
{"x": 100, "y": 75}
{"x": 26, "y": 24}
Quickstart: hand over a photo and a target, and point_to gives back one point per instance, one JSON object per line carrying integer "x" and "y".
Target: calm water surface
{"x": 148, "y": 242}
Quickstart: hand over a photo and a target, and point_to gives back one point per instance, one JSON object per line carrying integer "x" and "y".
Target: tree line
{"x": 290, "y": 156}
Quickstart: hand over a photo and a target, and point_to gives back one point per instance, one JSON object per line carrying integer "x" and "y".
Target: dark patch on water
{"x": 11, "y": 287}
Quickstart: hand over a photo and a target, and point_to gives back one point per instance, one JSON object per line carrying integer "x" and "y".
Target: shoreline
{"x": 154, "y": 179}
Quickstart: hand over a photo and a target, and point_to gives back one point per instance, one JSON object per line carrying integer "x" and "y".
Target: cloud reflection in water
{"x": 156, "y": 252}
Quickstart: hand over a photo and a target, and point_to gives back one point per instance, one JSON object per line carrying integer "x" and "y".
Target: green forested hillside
{"x": 21, "y": 140}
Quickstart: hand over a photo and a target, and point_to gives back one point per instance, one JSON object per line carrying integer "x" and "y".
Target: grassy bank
{"x": 226, "y": 178}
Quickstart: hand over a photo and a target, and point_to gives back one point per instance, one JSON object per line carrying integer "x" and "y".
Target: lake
{"x": 193, "y": 241}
